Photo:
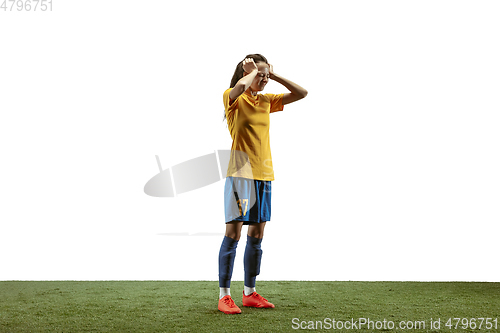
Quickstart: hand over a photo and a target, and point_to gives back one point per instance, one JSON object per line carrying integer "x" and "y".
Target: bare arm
{"x": 296, "y": 91}
{"x": 249, "y": 67}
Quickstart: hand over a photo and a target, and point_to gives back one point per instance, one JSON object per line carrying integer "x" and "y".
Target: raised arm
{"x": 249, "y": 67}
{"x": 296, "y": 91}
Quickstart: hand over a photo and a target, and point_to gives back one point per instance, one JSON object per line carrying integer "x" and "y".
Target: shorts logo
{"x": 242, "y": 202}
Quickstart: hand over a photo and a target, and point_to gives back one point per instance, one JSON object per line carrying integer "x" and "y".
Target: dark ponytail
{"x": 238, "y": 72}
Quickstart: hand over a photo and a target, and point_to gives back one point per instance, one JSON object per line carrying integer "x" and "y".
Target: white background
{"x": 388, "y": 170}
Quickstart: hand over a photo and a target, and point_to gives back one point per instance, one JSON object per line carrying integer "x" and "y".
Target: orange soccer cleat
{"x": 256, "y": 301}
{"x": 226, "y": 305}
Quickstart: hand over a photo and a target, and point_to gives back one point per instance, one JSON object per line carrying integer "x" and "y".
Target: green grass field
{"x": 184, "y": 306}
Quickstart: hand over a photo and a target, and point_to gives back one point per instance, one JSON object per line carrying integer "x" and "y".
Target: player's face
{"x": 262, "y": 77}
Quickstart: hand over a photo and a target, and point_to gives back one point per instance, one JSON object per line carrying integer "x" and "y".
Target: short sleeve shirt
{"x": 248, "y": 123}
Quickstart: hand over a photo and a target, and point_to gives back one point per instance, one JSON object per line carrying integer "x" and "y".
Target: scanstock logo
{"x": 200, "y": 172}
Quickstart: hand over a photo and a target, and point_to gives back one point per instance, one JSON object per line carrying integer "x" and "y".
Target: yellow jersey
{"x": 248, "y": 123}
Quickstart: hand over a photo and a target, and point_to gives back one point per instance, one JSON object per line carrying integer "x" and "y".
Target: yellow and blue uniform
{"x": 248, "y": 123}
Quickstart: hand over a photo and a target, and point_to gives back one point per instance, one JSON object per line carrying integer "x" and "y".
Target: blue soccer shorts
{"x": 247, "y": 200}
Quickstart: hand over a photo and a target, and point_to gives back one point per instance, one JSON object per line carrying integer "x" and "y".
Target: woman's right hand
{"x": 249, "y": 65}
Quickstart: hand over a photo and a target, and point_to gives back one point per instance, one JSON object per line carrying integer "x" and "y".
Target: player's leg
{"x": 227, "y": 254}
{"x": 235, "y": 190}
{"x": 253, "y": 250}
{"x": 256, "y": 230}
{"x": 252, "y": 259}
{"x": 253, "y": 255}
{"x": 233, "y": 230}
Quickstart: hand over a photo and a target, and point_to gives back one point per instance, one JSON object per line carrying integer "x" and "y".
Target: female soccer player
{"x": 247, "y": 194}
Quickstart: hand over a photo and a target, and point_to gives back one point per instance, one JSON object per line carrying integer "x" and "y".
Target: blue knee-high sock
{"x": 253, "y": 255}
{"x": 227, "y": 254}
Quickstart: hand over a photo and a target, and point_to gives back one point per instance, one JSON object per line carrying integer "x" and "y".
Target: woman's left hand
{"x": 271, "y": 72}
